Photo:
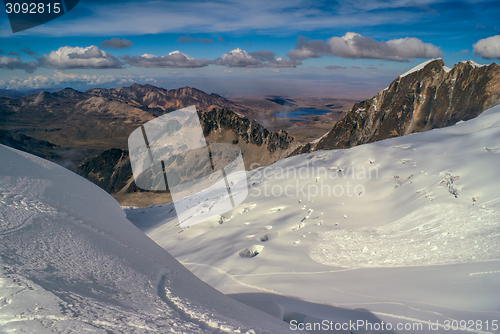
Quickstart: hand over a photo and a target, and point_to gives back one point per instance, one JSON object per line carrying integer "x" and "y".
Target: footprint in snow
{"x": 251, "y": 251}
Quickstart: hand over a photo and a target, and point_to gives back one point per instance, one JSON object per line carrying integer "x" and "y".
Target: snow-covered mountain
{"x": 428, "y": 96}
{"x": 70, "y": 262}
{"x": 404, "y": 230}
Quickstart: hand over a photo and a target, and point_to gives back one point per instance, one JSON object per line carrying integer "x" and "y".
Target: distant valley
{"x": 87, "y": 131}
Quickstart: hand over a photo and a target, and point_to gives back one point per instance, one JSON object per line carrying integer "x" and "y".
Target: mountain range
{"x": 88, "y": 131}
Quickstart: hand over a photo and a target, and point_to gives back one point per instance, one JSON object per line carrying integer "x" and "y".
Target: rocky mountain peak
{"x": 429, "y": 96}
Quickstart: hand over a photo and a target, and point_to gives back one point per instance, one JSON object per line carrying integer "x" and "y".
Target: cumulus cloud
{"x": 307, "y": 48}
{"x": 116, "y": 43}
{"x": 264, "y": 58}
{"x": 220, "y": 39}
{"x": 353, "y": 45}
{"x": 188, "y": 39}
{"x": 13, "y": 63}
{"x": 239, "y": 58}
{"x": 335, "y": 67}
{"x": 68, "y": 57}
{"x": 13, "y": 53}
{"x": 488, "y": 48}
{"x": 174, "y": 59}
{"x": 58, "y": 79}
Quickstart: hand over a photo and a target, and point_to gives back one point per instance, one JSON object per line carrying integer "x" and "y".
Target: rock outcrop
{"x": 429, "y": 96}
{"x": 88, "y": 131}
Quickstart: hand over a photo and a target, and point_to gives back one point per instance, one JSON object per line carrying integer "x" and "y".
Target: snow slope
{"x": 70, "y": 262}
{"x": 416, "y": 241}
{"x": 418, "y": 67}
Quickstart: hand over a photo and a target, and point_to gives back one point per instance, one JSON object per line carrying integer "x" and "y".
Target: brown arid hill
{"x": 429, "y": 96}
{"x": 88, "y": 131}
{"x": 98, "y": 118}
{"x": 150, "y": 98}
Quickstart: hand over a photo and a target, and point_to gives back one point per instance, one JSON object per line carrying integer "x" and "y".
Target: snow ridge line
{"x": 176, "y": 305}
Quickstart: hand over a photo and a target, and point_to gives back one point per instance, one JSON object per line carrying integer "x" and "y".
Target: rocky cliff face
{"x": 90, "y": 129}
{"x": 427, "y": 97}
{"x": 258, "y": 145}
{"x": 111, "y": 169}
{"x": 98, "y": 118}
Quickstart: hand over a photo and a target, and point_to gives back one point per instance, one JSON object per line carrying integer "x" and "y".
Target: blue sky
{"x": 311, "y": 48}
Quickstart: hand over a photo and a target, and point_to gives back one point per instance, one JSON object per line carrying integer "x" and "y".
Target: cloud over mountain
{"x": 116, "y": 43}
{"x": 58, "y": 78}
{"x": 353, "y": 45}
{"x": 174, "y": 59}
{"x": 488, "y": 47}
{"x": 68, "y": 57}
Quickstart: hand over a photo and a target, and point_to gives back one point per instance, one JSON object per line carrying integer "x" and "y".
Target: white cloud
{"x": 305, "y": 48}
{"x": 264, "y": 58}
{"x": 488, "y": 47}
{"x": 68, "y": 57}
{"x": 13, "y": 63}
{"x": 58, "y": 79}
{"x": 353, "y": 45}
{"x": 174, "y": 59}
{"x": 239, "y": 58}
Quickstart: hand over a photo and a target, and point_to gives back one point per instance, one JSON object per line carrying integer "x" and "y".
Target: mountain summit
{"x": 428, "y": 96}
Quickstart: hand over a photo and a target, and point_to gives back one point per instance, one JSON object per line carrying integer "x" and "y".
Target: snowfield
{"x": 404, "y": 231}
{"x": 72, "y": 263}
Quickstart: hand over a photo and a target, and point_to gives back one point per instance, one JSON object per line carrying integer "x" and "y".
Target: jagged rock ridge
{"x": 111, "y": 169}
{"x": 91, "y": 128}
{"x": 431, "y": 97}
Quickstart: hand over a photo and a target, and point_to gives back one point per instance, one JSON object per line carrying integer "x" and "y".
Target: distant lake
{"x": 295, "y": 115}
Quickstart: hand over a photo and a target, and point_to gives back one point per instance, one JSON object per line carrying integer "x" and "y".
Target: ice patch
{"x": 418, "y": 67}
